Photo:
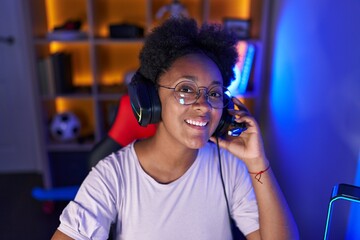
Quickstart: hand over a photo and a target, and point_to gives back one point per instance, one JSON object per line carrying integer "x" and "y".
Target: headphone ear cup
{"x": 225, "y": 120}
{"x": 144, "y": 100}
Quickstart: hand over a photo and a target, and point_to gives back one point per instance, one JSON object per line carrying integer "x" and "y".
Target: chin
{"x": 196, "y": 143}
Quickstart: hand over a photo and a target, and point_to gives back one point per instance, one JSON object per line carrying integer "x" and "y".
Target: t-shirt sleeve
{"x": 91, "y": 213}
{"x": 244, "y": 205}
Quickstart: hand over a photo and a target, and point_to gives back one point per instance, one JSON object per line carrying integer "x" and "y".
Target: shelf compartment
{"x": 115, "y": 64}
{"x": 80, "y": 56}
{"x": 61, "y": 11}
{"x": 84, "y": 111}
{"x": 108, "y": 12}
{"x": 233, "y": 9}
{"x": 48, "y": 14}
{"x": 66, "y": 73}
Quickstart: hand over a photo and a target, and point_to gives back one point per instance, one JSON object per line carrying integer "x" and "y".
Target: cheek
{"x": 217, "y": 117}
{"x": 168, "y": 106}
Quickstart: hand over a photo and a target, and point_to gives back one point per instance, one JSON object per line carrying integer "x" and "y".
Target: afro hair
{"x": 177, "y": 37}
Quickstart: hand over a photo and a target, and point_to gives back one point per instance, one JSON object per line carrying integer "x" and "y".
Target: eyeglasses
{"x": 188, "y": 92}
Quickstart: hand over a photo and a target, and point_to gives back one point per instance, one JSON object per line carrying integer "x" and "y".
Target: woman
{"x": 176, "y": 184}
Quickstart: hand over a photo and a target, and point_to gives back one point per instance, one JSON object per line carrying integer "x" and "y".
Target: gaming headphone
{"x": 146, "y": 105}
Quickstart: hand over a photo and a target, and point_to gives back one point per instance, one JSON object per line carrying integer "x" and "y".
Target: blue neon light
{"x": 354, "y": 215}
{"x": 242, "y": 75}
{"x": 329, "y": 215}
{"x": 244, "y": 78}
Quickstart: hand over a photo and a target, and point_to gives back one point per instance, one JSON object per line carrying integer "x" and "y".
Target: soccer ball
{"x": 65, "y": 127}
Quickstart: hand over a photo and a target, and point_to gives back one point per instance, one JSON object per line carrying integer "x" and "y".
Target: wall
{"x": 312, "y": 120}
{"x": 20, "y": 145}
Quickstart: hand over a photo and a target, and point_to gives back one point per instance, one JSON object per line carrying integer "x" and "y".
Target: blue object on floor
{"x": 55, "y": 194}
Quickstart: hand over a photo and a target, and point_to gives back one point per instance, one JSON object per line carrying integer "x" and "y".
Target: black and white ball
{"x": 65, "y": 127}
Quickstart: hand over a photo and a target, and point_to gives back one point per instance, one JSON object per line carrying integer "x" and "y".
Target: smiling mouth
{"x": 196, "y": 123}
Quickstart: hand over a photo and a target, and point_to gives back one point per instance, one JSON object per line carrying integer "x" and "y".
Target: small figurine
{"x": 175, "y": 9}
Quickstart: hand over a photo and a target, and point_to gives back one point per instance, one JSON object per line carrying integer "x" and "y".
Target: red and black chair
{"x": 123, "y": 131}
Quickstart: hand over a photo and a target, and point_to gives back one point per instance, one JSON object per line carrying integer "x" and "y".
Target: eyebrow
{"x": 195, "y": 79}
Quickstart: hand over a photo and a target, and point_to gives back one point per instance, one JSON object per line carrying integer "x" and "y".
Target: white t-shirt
{"x": 118, "y": 190}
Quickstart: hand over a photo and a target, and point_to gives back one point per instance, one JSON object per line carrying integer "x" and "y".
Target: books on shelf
{"x": 61, "y": 63}
{"x": 55, "y": 74}
{"x": 46, "y": 82}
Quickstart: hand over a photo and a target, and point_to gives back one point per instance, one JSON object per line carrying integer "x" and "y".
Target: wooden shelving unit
{"x": 100, "y": 64}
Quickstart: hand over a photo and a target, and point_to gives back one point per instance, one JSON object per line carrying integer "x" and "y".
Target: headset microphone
{"x": 227, "y": 124}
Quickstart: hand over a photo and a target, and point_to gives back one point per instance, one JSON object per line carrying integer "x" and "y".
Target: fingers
{"x": 237, "y": 129}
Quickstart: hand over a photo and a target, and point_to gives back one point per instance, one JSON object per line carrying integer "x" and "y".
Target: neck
{"x": 163, "y": 161}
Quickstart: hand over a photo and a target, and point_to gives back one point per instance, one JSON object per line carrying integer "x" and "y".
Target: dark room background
{"x": 311, "y": 104}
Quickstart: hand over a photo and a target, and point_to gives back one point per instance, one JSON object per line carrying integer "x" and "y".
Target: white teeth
{"x": 196, "y": 123}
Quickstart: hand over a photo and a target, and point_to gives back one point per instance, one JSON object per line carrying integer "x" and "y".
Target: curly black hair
{"x": 177, "y": 37}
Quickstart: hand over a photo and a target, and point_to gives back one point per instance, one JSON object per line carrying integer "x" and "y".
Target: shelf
{"x": 114, "y": 96}
{"x": 42, "y": 41}
{"x": 74, "y": 96}
{"x": 69, "y": 147}
{"x": 102, "y": 65}
{"x": 116, "y": 41}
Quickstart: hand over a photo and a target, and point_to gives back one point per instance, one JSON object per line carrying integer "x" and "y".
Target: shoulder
{"x": 114, "y": 167}
{"x": 116, "y": 159}
{"x": 106, "y": 179}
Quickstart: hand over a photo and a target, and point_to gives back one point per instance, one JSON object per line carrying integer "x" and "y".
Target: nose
{"x": 202, "y": 98}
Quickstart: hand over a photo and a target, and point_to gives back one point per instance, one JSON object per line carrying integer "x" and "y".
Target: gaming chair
{"x": 123, "y": 131}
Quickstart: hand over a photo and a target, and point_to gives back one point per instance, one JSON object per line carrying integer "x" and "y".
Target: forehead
{"x": 197, "y": 67}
